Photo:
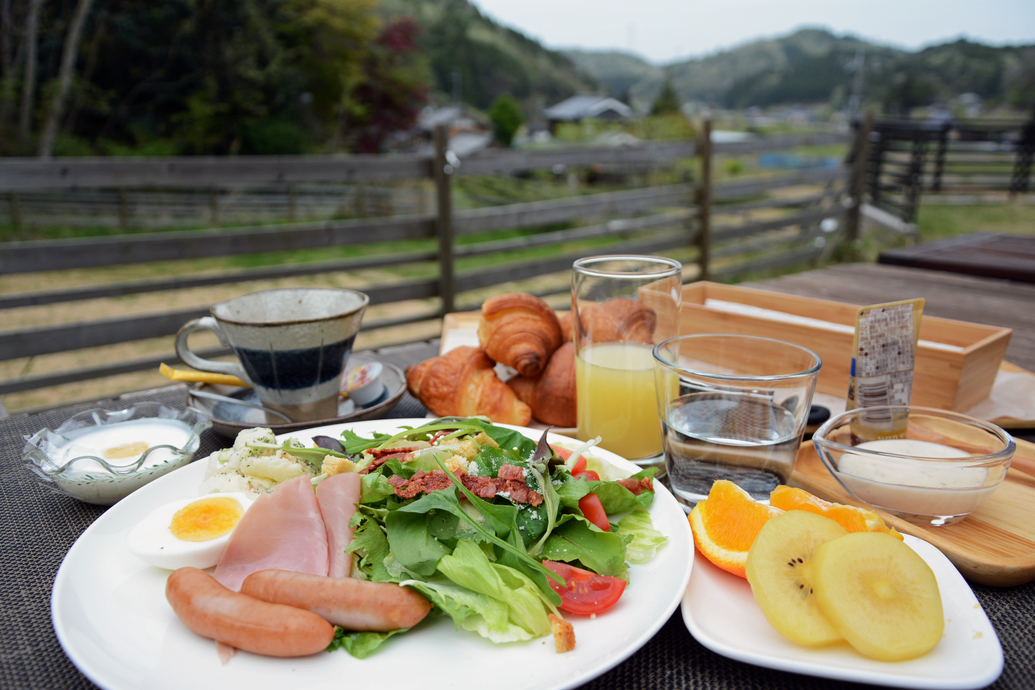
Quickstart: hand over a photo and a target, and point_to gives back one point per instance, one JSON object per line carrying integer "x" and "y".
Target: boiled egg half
{"x": 191, "y": 532}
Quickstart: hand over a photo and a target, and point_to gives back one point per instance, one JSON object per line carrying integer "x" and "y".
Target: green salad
{"x": 495, "y": 530}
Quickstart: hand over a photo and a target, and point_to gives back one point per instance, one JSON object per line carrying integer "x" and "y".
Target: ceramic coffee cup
{"x": 292, "y": 344}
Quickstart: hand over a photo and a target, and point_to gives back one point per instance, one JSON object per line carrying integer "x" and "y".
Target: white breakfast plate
{"x": 720, "y": 612}
{"x": 111, "y": 617}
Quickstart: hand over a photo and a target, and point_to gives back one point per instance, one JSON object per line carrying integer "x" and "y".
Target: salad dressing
{"x": 122, "y": 444}
{"x": 919, "y": 487}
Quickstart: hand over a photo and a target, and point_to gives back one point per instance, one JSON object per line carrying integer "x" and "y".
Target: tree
{"x": 393, "y": 88}
{"x": 506, "y": 118}
{"x": 32, "y": 26}
{"x": 68, "y": 57}
{"x": 667, "y": 100}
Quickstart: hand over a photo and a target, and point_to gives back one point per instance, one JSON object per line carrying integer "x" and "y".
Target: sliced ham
{"x": 338, "y": 496}
{"x": 283, "y": 530}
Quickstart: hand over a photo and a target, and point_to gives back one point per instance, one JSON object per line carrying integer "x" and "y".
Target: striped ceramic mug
{"x": 292, "y": 344}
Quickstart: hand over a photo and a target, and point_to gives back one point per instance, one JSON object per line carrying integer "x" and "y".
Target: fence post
{"x": 939, "y": 159}
{"x": 1019, "y": 178}
{"x": 213, "y": 204}
{"x": 704, "y": 200}
{"x": 443, "y": 172}
{"x": 861, "y": 148}
{"x": 915, "y": 180}
{"x": 292, "y": 202}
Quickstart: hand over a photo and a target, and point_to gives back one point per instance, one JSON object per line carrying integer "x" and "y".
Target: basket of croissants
{"x": 524, "y": 333}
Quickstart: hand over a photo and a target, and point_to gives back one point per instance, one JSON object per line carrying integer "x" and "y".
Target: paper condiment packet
{"x": 883, "y": 360}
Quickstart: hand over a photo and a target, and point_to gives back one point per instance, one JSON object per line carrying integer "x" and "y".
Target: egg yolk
{"x": 206, "y": 519}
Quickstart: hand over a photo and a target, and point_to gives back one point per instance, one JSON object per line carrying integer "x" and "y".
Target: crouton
{"x": 563, "y": 634}
{"x": 335, "y": 465}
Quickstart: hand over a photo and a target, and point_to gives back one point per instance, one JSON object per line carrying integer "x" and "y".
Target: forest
{"x": 224, "y": 77}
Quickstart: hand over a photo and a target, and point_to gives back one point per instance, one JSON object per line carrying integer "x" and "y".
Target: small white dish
{"x": 720, "y": 612}
{"x": 101, "y": 456}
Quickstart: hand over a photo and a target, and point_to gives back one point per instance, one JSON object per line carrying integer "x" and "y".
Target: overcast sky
{"x": 664, "y": 31}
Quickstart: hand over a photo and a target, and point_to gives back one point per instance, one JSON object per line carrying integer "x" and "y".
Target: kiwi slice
{"x": 879, "y": 594}
{"x": 779, "y": 568}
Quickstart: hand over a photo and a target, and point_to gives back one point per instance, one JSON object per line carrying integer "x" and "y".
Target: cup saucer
{"x": 229, "y": 419}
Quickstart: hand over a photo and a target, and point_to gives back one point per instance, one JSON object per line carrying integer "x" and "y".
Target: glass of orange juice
{"x": 622, "y": 306}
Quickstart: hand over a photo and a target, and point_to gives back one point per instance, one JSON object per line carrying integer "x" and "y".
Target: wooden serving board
{"x": 995, "y": 545}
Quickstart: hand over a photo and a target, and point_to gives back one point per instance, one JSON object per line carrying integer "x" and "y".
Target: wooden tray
{"x": 956, "y": 362}
{"x": 995, "y": 545}
{"x": 461, "y": 328}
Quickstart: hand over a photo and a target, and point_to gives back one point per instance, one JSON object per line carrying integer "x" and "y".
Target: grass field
{"x": 936, "y": 221}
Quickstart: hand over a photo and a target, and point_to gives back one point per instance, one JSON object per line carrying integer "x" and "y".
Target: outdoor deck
{"x": 978, "y": 254}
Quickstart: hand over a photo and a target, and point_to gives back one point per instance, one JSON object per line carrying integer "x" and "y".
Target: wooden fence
{"x": 715, "y": 227}
{"x": 908, "y": 159}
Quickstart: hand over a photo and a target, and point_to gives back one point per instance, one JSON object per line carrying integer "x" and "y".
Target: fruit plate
{"x": 721, "y": 614}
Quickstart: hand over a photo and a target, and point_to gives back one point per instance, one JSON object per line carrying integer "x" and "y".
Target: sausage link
{"x": 353, "y": 604}
{"x": 213, "y": 611}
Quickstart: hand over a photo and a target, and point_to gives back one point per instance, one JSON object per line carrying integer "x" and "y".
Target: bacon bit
{"x": 378, "y": 461}
{"x": 483, "y": 487}
{"x": 518, "y": 492}
{"x": 381, "y": 452}
{"x": 420, "y": 482}
{"x": 440, "y": 434}
{"x": 636, "y": 486}
{"x": 513, "y": 472}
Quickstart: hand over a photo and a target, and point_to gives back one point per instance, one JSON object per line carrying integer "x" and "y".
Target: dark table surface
{"x": 38, "y": 526}
{"x": 977, "y": 254}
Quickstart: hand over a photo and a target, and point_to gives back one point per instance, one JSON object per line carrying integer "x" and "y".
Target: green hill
{"x": 616, "y": 72}
{"x": 812, "y": 66}
{"x": 476, "y": 59}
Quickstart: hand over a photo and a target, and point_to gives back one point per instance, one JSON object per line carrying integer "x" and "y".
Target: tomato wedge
{"x": 587, "y": 475}
{"x": 593, "y": 510}
{"x": 564, "y": 453}
{"x": 585, "y": 592}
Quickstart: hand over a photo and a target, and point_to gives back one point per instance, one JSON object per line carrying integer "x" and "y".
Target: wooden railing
{"x": 910, "y": 158}
{"x": 649, "y": 220}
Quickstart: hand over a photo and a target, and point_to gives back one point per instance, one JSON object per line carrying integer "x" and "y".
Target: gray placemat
{"x": 38, "y": 526}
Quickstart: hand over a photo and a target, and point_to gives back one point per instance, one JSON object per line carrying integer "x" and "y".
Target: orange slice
{"x": 726, "y": 523}
{"x": 851, "y": 518}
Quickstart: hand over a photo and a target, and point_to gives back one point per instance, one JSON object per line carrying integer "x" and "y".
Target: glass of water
{"x": 732, "y": 407}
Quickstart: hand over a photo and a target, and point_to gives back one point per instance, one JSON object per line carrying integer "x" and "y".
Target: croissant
{"x": 616, "y": 319}
{"x": 551, "y": 395}
{"x": 462, "y": 383}
{"x": 519, "y": 330}
{"x": 565, "y": 320}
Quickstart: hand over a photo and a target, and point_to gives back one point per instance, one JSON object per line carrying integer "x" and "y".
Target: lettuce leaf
{"x": 359, "y": 644}
{"x": 645, "y": 539}
{"x": 369, "y": 540}
{"x": 468, "y": 567}
{"x": 470, "y": 610}
{"x": 576, "y": 539}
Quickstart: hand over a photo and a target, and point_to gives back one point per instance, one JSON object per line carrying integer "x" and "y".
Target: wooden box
{"x": 956, "y": 361}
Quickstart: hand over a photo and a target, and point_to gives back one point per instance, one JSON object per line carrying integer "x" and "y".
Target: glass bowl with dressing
{"x": 101, "y": 456}
{"x": 936, "y": 473}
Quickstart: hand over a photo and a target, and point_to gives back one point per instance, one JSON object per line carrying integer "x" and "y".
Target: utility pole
{"x": 855, "y": 100}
